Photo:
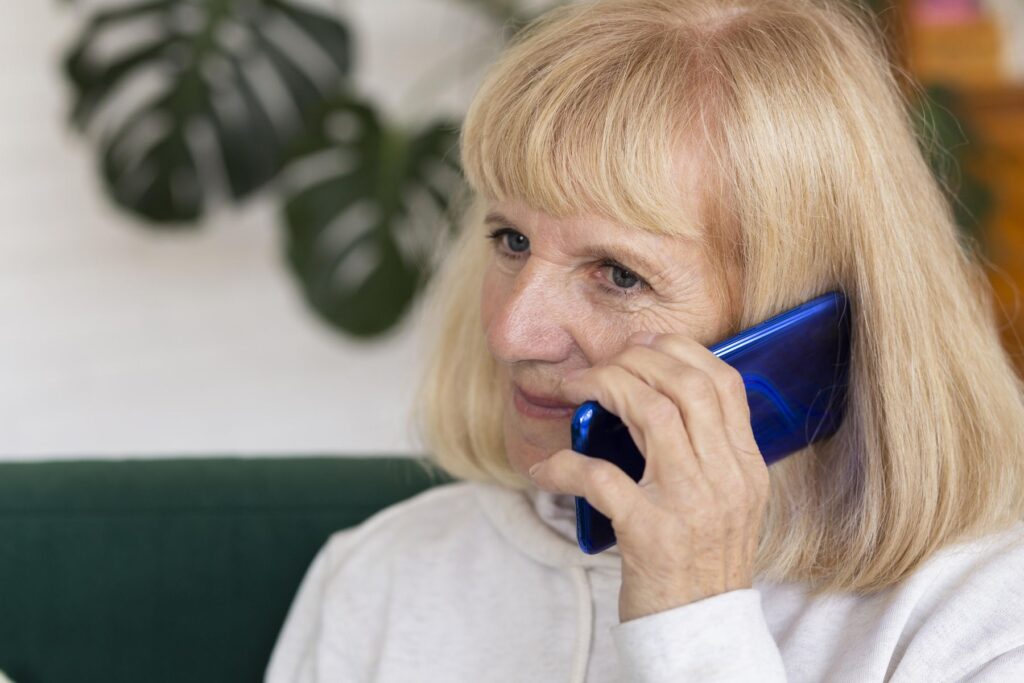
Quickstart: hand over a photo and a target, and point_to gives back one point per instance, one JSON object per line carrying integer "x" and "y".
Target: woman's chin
{"x": 532, "y": 444}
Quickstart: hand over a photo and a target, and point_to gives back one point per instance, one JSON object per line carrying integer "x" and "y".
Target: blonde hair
{"x": 813, "y": 180}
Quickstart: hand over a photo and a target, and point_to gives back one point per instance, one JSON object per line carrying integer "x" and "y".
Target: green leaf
{"x": 205, "y": 55}
{"x": 155, "y": 174}
{"x": 331, "y": 36}
{"x": 359, "y": 246}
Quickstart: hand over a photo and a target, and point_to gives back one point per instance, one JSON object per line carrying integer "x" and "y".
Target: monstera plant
{"x": 246, "y": 95}
{"x": 215, "y": 100}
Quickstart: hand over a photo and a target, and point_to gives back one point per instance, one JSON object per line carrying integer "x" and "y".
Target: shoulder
{"x": 979, "y": 570}
{"x": 345, "y": 593}
{"x": 965, "y": 602}
{"x": 978, "y": 562}
{"x": 439, "y": 516}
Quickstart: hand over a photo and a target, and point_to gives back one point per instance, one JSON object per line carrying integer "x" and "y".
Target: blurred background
{"x": 219, "y": 214}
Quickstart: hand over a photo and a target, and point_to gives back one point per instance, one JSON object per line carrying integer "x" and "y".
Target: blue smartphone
{"x": 795, "y": 369}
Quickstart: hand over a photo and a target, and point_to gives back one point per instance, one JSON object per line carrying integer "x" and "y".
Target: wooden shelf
{"x": 966, "y": 57}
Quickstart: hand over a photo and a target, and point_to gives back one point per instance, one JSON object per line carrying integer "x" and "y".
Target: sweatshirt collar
{"x": 541, "y": 524}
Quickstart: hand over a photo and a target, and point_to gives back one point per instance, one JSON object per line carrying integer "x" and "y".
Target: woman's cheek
{"x": 599, "y": 331}
{"x": 609, "y": 328}
{"x": 490, "y": 297}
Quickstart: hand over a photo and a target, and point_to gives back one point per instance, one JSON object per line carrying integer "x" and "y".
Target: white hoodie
{"x": 475, "y": 582}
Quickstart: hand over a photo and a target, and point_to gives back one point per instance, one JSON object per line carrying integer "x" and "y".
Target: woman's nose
{"x": 532, "y": 319}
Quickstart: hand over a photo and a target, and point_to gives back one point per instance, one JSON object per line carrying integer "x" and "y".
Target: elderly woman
{"x": 648, "y": 178}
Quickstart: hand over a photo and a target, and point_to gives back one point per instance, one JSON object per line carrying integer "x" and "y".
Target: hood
{"x": 543, "y": 526}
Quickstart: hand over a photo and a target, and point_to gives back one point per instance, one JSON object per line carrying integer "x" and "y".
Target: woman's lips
{"x": 534, "y": 406}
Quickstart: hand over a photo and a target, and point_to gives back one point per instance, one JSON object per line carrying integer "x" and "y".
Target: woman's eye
{"x": 512, "y": 244}
{"x": 623, "y": 278}
{"x": 517, "y": 242}
{"x": 627, "y": 283}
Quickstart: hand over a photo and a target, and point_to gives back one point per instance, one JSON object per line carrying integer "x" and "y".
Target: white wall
{"x": 115, "y": 341}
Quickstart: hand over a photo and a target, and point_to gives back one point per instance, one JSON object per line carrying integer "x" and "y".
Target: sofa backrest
{"x": 170, "y": 569}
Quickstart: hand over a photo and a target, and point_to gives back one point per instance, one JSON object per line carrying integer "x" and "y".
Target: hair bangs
{"x": 595, "y": 132}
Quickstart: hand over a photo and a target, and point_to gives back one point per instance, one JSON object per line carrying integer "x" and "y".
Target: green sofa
{"x": 181, "y": 569}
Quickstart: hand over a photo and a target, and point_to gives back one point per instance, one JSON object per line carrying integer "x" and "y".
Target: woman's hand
{"x": 689, "y": 528}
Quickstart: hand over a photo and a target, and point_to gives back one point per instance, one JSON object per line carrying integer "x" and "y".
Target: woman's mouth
{"x": 540, "y": 407}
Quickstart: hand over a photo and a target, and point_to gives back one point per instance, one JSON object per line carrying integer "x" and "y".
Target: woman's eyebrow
{"x": 495, "y": 217}
{"x": 622, "y": 254}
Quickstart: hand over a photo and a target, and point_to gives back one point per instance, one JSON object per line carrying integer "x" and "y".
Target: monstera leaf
{"x": 366, "y": 203}
{"x": 233, "y": 81}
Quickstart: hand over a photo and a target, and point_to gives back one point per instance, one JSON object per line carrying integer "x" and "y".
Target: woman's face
{"x": 562, "y": 294}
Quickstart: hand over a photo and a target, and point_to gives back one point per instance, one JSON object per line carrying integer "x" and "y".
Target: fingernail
{"x": 573, "y": 374}
{"x": 644, "y": 337}
{"x": 535, "y": 467}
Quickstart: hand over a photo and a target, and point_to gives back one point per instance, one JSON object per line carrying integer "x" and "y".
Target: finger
{"x": 653, "y": 419}
{"x": 605, "y": 485}
{"x": 696, "y": 396}
{"x": 729, "y": 383}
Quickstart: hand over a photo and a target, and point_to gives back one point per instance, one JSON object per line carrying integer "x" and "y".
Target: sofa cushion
{"x": 177, "y": 569}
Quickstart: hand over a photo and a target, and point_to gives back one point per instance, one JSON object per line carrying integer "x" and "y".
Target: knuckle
{"x": 679, "y": 341}
{"x": 733, "y": 483}
{"x": 600, "y": 474}
{"x": 631, "y": 355}
{"x": 617, "y": 375}
{"x": 660, "y": 409}
{"x": 700, "y": 492}
{"x": 697, "y": 384}
{"x": 732, "y": 382}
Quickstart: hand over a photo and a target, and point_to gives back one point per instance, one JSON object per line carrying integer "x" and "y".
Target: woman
{"x": 648, "y": 178}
